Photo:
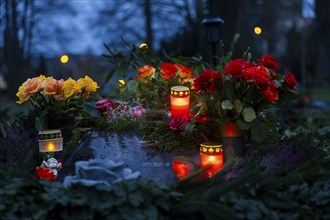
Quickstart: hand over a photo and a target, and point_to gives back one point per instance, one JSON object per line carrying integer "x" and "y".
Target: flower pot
{"x": 233, "y": 140}
{"x": 65, "y": 124}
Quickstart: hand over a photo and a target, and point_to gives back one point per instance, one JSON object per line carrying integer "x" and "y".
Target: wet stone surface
{"x": 134, "y": 152}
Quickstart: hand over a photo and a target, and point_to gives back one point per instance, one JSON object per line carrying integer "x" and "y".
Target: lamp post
{"x": 212, "y": 30}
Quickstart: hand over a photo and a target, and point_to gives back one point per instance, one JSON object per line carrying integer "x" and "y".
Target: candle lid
{"x": 180, "y": 91}
{"x": 210, "y": 148}
{"x": 50, "y": 134}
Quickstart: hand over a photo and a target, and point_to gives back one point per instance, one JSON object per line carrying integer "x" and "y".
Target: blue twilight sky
{"x": 92, "y": 39}
{"x": 86, "y": 36}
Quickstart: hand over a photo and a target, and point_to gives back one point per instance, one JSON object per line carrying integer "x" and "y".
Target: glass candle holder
{"x": 180, "y": 96}
{"x": 50, "y": 141}
{"x": 211, "y": 155}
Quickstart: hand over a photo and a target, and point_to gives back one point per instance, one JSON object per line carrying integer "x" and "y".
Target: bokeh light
{"x": 64, "y": 59}
{"x": 121, "y": 82}
{"x": 143, "y": 45}
{"x": 257, "y": 30}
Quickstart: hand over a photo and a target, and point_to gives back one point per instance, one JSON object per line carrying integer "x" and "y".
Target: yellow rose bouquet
{"x": 51, "y": 98}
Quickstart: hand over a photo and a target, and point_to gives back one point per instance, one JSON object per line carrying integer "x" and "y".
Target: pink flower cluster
{"x": 107, "y": 105}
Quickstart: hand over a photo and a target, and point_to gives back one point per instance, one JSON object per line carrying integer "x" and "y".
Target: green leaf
{"x": 109, "y": 75}
{"x": 238, "y": 105}
{"x": 122, "y": 69}
{"x": 227, "y": 105}
{"x": 40, "y": 124}
{"x": 121, "y": 125}
{"x": 251, "y": 94}
{"x": 108, "y": 49}
{"x": 260, "y": 131}
{"x": 229, "y": 90}
{"x": 217, "y": 106}
{"x": 249, "y": 114}
{"x": 243, "y": 124}
{"x": 135, "y": 199}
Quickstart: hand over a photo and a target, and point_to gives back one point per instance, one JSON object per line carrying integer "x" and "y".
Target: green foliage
{"x": 294, "y": 190}
{"x": 298, "y": 190}
{"x": 155, "y": 129}
{"x": 225, "y": 58}
{"x": 31, "y": 199}
{"x": 122, "y": 62}
{"x": 151, "y": 91}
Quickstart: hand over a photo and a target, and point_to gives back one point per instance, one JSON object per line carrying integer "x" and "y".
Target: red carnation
{"x": 45, "y": 174}
{"x": 206, "y": 81}
{"x": 177, "y": 122}
{"x": 269, "y": 62}
{"x": 258, "y": 74}
{"x": 290, "y": 80}
{"x": 270, "y": 92}
{"x": 236, "y": 66}
{"x": 168, "y": 70}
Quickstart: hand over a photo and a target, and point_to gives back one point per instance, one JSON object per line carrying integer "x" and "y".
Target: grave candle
{"x": 180, "y": 96}
{"x": 211, "y": 154}
{"x": 50, "y": 141}
{"x": 230, "y": 129}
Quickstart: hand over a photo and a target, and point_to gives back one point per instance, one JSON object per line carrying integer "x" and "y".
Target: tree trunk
{"x": 322, "y": 32}
{"x": 13, "y": 53}
{"x": 148, "y": 16}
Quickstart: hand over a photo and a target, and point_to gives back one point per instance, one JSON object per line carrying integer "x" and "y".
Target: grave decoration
{"x": 295, "y": 167}
{"x": 211, "y": 155}
{"x": 97, "y": 172}
{"x": 50, "y": 141}
{"x": 53, "y": 100}
{"x": 118, "y": 115}
{"x": 48, "y": 170}
{"x": 236, "y": 95}
{"x": 242, "y": 91}
{"x": 180, "y": 99}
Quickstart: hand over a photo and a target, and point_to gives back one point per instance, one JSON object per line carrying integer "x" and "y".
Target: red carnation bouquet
{"x": 242, "y": 91}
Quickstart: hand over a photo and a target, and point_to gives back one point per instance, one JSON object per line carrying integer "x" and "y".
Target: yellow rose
{"x": 70, "y": 88}
{"x": 43, "y": 77}
{"x": 87, "y": 84}
{"x": 22, "y": 95}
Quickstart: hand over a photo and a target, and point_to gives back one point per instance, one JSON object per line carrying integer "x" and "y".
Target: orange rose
{"x": 140, "y": 78}
{"x": 184, "y": 71}
{"x": 54, "y": 87}
{"x": 34, "y": 85}
{"x": 146, "y": 71}
{"x": 168, "y": 70}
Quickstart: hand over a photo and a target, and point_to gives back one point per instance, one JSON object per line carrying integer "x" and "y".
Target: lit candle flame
{"x": 50, "y": 146}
